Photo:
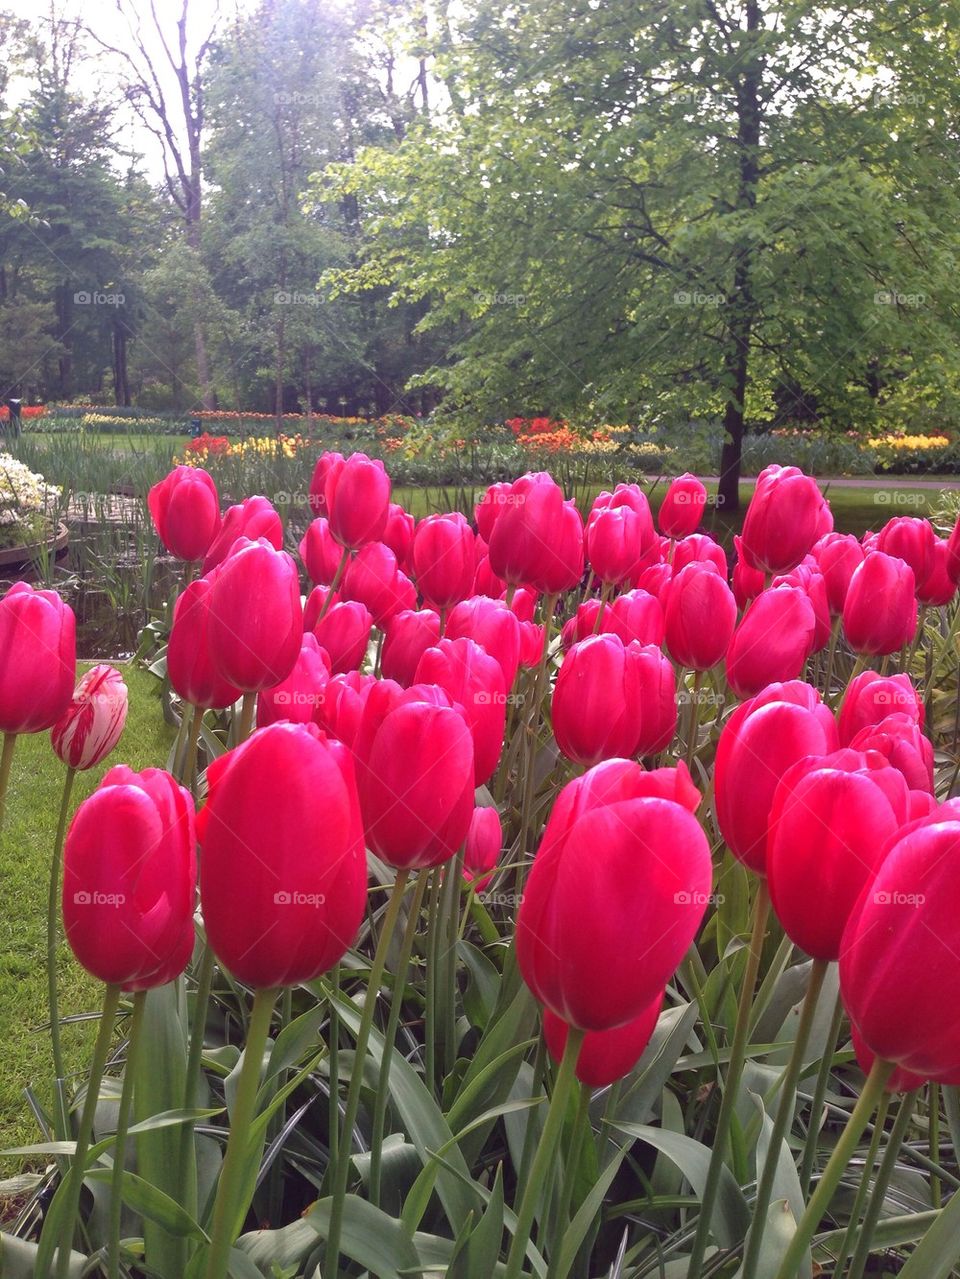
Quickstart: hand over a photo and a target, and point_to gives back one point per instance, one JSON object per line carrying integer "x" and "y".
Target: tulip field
{"x": 533, "y": 890}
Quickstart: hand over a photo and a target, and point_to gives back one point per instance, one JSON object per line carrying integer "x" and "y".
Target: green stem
{"x": 119, "y": 1149}
{"x": 936, "y": 1193}
{"x": 543, "y": 1159}
{"x": 101, "y": 1050}
{"x": 738, "y": 1053}
{"x": 694, "y": 717}
{"x": 226, "y": 1208}
{"x": 831, "y": 654}
{"x": 532, "y": 726}
{"x": 6, "y": 758}
{"x": 842, "y": 1154}
{"x": 344, "y": 556}
{"x": 788, "y": 1094}
{"x": 248, "y": 709}
{"x": 881, "y": 1182}
{"x": 819, "y": 1093}
{"x": 189, "y": 778}
{"x": 339, "y": 1189}
{"x": 53, "y": 933}
{"x": 581, "y": 1125}
{"x": 430, "y": 1012}
{"x": 195, "y": 1054}
{"x": 333, "y": 1058}
{"x": 453, "y": 883}
{"x": 863, "y": 1186}
{"x": 389, "y": 1039}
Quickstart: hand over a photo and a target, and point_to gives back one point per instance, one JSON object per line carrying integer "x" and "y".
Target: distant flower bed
{"x": 27, "y": 411}
{"x": 26, "y": 503}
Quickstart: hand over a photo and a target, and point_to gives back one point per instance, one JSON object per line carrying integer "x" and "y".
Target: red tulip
{"x": 831, "y": 820}
{"x": 537, "y": 539}
{"x": 899, "y": 1081}
{"x": 899, "y": 739}
{"x": 880, "y": 613}
{"x": 415, "y": 774}
{"x": 284, "y": 878}
{"x": 341, "y": 709}
{"x": 493, "y": 626}
{"x": 298, "y": 698}
{"x": 38, "y": 659}
{"x": 344, "y": 631}
{"x": 838, "y": 555}
{"x": 682, "y": 507}
{"x": 328, "y": 467}
{"x": 899, "y": 972}
{"x": 655, "y": 579}
{"x": 254, "y": 518}
{"x": 186, "y": 511}
{"x": 786, "y": 515}
{"x": 408, "y": 636}
{"x": 524, "y": 603}
{"x": 953, "y": 553}
{"x": 489, "y": 507}
{"x": 398, "y": 535}
{"x": 485, "y": 580}
{"x": 129, "y": 878}
{"x": 807, "y": 577}
{"x": 190, "y": 666}
{"x": 699, "y": 548}
{"x": 483, "y": 846}
{"x": 910, "y": 539}
{"x": 255, "y": 622}
{"x": 772, "y": 642}
{"x": 619, "y": 540}
{"x": 699, "y": 617}
{"x": 613, "y": 900}
{"x": 870, "y": 698}
{"x": 605, "y": 1055}
{"x": 474, "y": 681}
{"x": 319, "y": 552}
{"x": 372, "y": 578}
{"x": 658, "y": 700}
{"x": 747, "y": 582}
{"x": 357, "y": 499}
{"x": 532, "y": 638}
{"x": 760, "y": 741}
{"x": 90, "y": 727}
{"x": 597, "y": 706}
{"x": 634, "y": 615}
{"x": 444, "y": 559}
{"x": 582, "y": 625}
{"x": 938, "y": 587}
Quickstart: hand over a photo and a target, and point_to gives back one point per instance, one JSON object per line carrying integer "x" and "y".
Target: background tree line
{"x": 743, "y": 211}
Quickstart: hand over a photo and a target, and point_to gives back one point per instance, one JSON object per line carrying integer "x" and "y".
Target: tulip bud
{"x": 185, "y": 508}
{"x": 254, "y": 518}
{"x": 408, "y": 636}
{"x": 870, "y": 698}
{"x": 90, "y": 727}
{"x": 493, "y": 626}
{"x": 282, "y": 892}
{"x": 532, "y": 639}
{"x": 329, "y": 465}
{"x": 191, "y": 669}
{"x": 699, "y": 617}
{"x": 344, "y": 631}
{"x": 605, "y": 1055}
{"x": 747, "y": 582}
{"x": 634, "y": 615}
{"x": 619, "y": 539}
{"x": 357, "y": 496}
{"x": 772, "y": 642}
{"x": 373, "y": 579}
{"x": 682, "y": 507}
{"x": 938, "y": 587}
{"x": 129, "y": 878}
{"x": 899, "y": 739}
{"x": 760, "y": 741}
{"x": 483, "y": 846}
{"x": 299, "y": 697}
{"x": 39, "y": 659}
{"x": 489, "y": 507}
{"x": 911, "y": 539}
{"x": 255, "y": 623}
{"x": 830, "y": 823}
{"x": 398, "y": 535}
{"x": 807, "y": 577}
{"x": 537, "y": 539}
{"x": 880, "y": 613}
{"x": 444, "y": 559}
{"x": 474, "y": 681}
{"x": 613, "y": 900}
{"x": 698, "y": 548}
{"x": 786, "y": 515}
{"x": 319, "y": 552}
{"x": 344, "y": 698}
{"x": 838, "y": 555}
{"x": 597, "y": 700}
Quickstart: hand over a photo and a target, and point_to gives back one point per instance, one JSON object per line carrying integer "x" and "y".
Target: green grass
{"x": 26, "y": 845}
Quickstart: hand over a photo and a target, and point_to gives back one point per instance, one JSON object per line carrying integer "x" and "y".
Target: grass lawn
{"x": 26, "y": 845}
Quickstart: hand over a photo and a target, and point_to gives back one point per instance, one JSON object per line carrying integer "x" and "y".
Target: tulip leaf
{"x": 651, "y": 1073}
{"x": 153, "y": 1204}
{"x": 779, "y": 1228}
{"x": 480, "y": 996}
{"x": 370, "y": 1237}
{"x": 18, "y": 1259}
{"x": 731, "y": 1215}
{"x": 937, "y": 1252}
{"x": 889, "y": 1232}
{"x": 586, "y": 1214}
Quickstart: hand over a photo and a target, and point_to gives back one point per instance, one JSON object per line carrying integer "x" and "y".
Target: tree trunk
{"x": 741, "y": 306}
{"x": 121, "y": 380}
{"x": 278, "y": 389}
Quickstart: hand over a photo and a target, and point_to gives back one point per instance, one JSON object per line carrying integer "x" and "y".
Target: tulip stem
{"x": 863, "y": 1186}
{"x": 333, "y": 1051}
{"x": 694, "y": 717}
{"x": 886, "y": 1170}
{"x": 123, "y": 1121}
{"x": 553, "y": 1125}
{"x": 6, "y": 758}
{"x": 226, "y": 1208}
{"x": 581, "y": 1126}
{"x": 190, "y": 765}
{"x": 785, "y": 1107}
{"x": 248, "y": 709}
{"x": 842, "y": 1154}
{"x": 430, "y": 1015}
{"x": 738, "y": 1054}
{"x": 450, "y": 908}
{"x": 532, "y": 726}
{"x": 53, "y": 930}
{"x": 831, "y": 655}
{"x": 111, "y": 1001}
{"x": 819, "y": 1092}
{"x": 933, "y": 1115}
{"x": 390, "y": 1035}
{"x": 195, "y": 1053}
{"x": 332, "y": 1261}
{"x": 341, "y": 566}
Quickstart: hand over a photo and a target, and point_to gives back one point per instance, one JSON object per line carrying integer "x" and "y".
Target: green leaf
{"x": 18, "y": 1259}
{"x": 153, "y": 1204}
{"x": 369, "y": 1237}
{"x": 938, "y": 1250}
{"x": 586, "y": 1214}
